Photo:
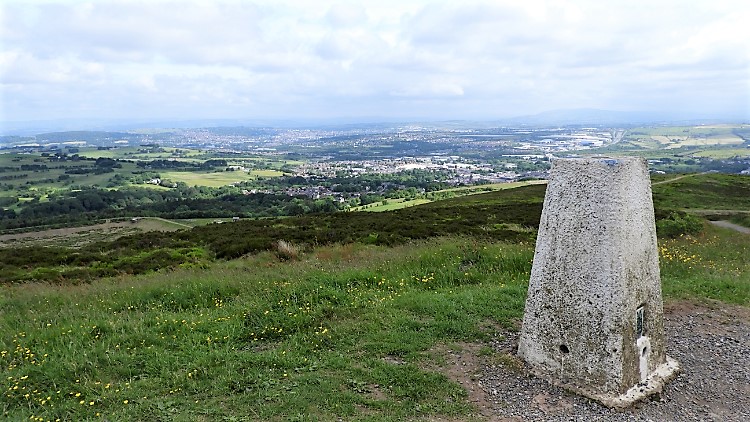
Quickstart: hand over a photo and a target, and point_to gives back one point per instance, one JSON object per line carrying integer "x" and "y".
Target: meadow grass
{"x": 400, "y": 203}
{"x": 491, "y": 187}
{"x": 216, "y": 178}
{"x": 211, "y": 179}
{"x": 391, "y": 204}
{"x": 266, "y": 173}
{"x": 712, "y": 265}
{"x": 711, "y": 191}
{"x": 343, "y": 332}
{"x": 723, "y": 153}
{"x": 339, "y": 332}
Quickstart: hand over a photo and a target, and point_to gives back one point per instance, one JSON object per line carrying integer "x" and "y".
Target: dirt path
{"x": 730, "y": 225}
{"x": 676, "y": 178}
{"x": 711, "y": 342}
{"x": 186, "y": 226}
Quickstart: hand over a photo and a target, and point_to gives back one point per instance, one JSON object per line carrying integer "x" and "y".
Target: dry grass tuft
{"x": 287, "y": 251}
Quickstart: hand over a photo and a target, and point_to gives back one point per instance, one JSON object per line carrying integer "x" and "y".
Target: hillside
{"x": 359, "y": 317}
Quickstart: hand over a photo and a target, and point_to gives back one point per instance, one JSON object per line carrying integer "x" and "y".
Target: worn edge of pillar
{"x": 654, "y": 384}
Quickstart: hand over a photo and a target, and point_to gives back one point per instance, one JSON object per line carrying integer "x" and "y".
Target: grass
{"x": 345, "y": 332}
{"x": 391, "y": 204}
{"x": 704, "y": 192}
{"x": 216, "y": 179}
{"x": 741, "y": 219}
{"x": 723, "y": 153}
{"x": 266, "y": 173}
{"x": 712, "y": 265}
{"x": 30, "y": 181}
{"x": 342, "y": 332}
{"x": 400, "y": 203}
{"x": 337, "y": 332}
{"x": 670, "y": 138}
{"x": 76, "y": 237}
{"x": 211, "y": 179}
{"x": 493, "y": 187}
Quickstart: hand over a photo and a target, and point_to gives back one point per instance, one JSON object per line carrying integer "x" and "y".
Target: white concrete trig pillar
{"x": 593, "y": 317}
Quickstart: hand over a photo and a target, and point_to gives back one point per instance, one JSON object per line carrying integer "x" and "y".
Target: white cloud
{"x": 391, "y": 58}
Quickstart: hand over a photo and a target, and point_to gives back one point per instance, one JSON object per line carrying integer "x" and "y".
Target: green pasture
{"x": 211, "y": 179}
{"x": 391, "y": 204}
{"x": 494, "y": 186}
{"x": 676, "y": 137}
{"x": 49, "y": 180}
{"x": 216, "y": 178}
{"x": 719, "y": 140}
{"x": 682, "y": 131}
{"x": 711, "y": 191}
{"x": 723, "y": 153}
{"x": 399, "y": 203}
{"x": 266, "y": 173}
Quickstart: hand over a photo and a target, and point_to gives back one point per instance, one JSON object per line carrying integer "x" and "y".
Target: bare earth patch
{"x": 79, "y": 236}
{"x": 711, "y": 340}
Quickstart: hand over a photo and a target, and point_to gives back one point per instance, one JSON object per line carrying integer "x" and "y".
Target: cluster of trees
{"x": 181, "y": 165}
{"x": 183, "y": 202}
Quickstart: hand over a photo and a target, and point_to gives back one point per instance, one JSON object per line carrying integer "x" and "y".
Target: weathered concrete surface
{"x": 595, "y": 270}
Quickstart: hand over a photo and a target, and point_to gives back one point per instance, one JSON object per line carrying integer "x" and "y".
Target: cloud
{"x": 346, "y": 15}
{"x": 289, "y": 58}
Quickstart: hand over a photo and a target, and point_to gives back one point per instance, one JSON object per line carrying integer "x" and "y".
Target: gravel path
{"x": 711, "y": 342}
{"x": 730, "y": 225}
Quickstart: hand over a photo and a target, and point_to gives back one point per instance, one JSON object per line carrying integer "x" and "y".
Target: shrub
{"x": 678, "y": 223}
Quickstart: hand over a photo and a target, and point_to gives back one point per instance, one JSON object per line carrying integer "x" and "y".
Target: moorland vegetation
{"x": 321, "y": 317}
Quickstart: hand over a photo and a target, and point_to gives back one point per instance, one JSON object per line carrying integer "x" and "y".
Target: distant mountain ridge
{"x": 576, "y": 117}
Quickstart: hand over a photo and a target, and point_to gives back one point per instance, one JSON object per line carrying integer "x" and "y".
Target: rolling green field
{"x": 704, "y": 192}
{"x": 212, "y": 179}
{"x": 391, "y": 205}
{"x": 681, "y": 143}
{"x": 399, "y": 203}
{"x": 33, "y": 175}
{"x": 17, "y": 181}
{"x": 723, "y": 153}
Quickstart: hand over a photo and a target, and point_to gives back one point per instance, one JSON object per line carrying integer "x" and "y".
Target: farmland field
{"x": 723, "y": 153}
{"x": 212, "y": 179}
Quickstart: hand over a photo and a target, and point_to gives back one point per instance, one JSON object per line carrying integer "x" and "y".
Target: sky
{"x": 361, "y": 59}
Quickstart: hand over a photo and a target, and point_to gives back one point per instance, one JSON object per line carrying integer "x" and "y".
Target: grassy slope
{"x": 397, "y": 204}
{"x": 344, "y": 332}
{"x": 704, "y": 192}
{"x": 391, "y": 205}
